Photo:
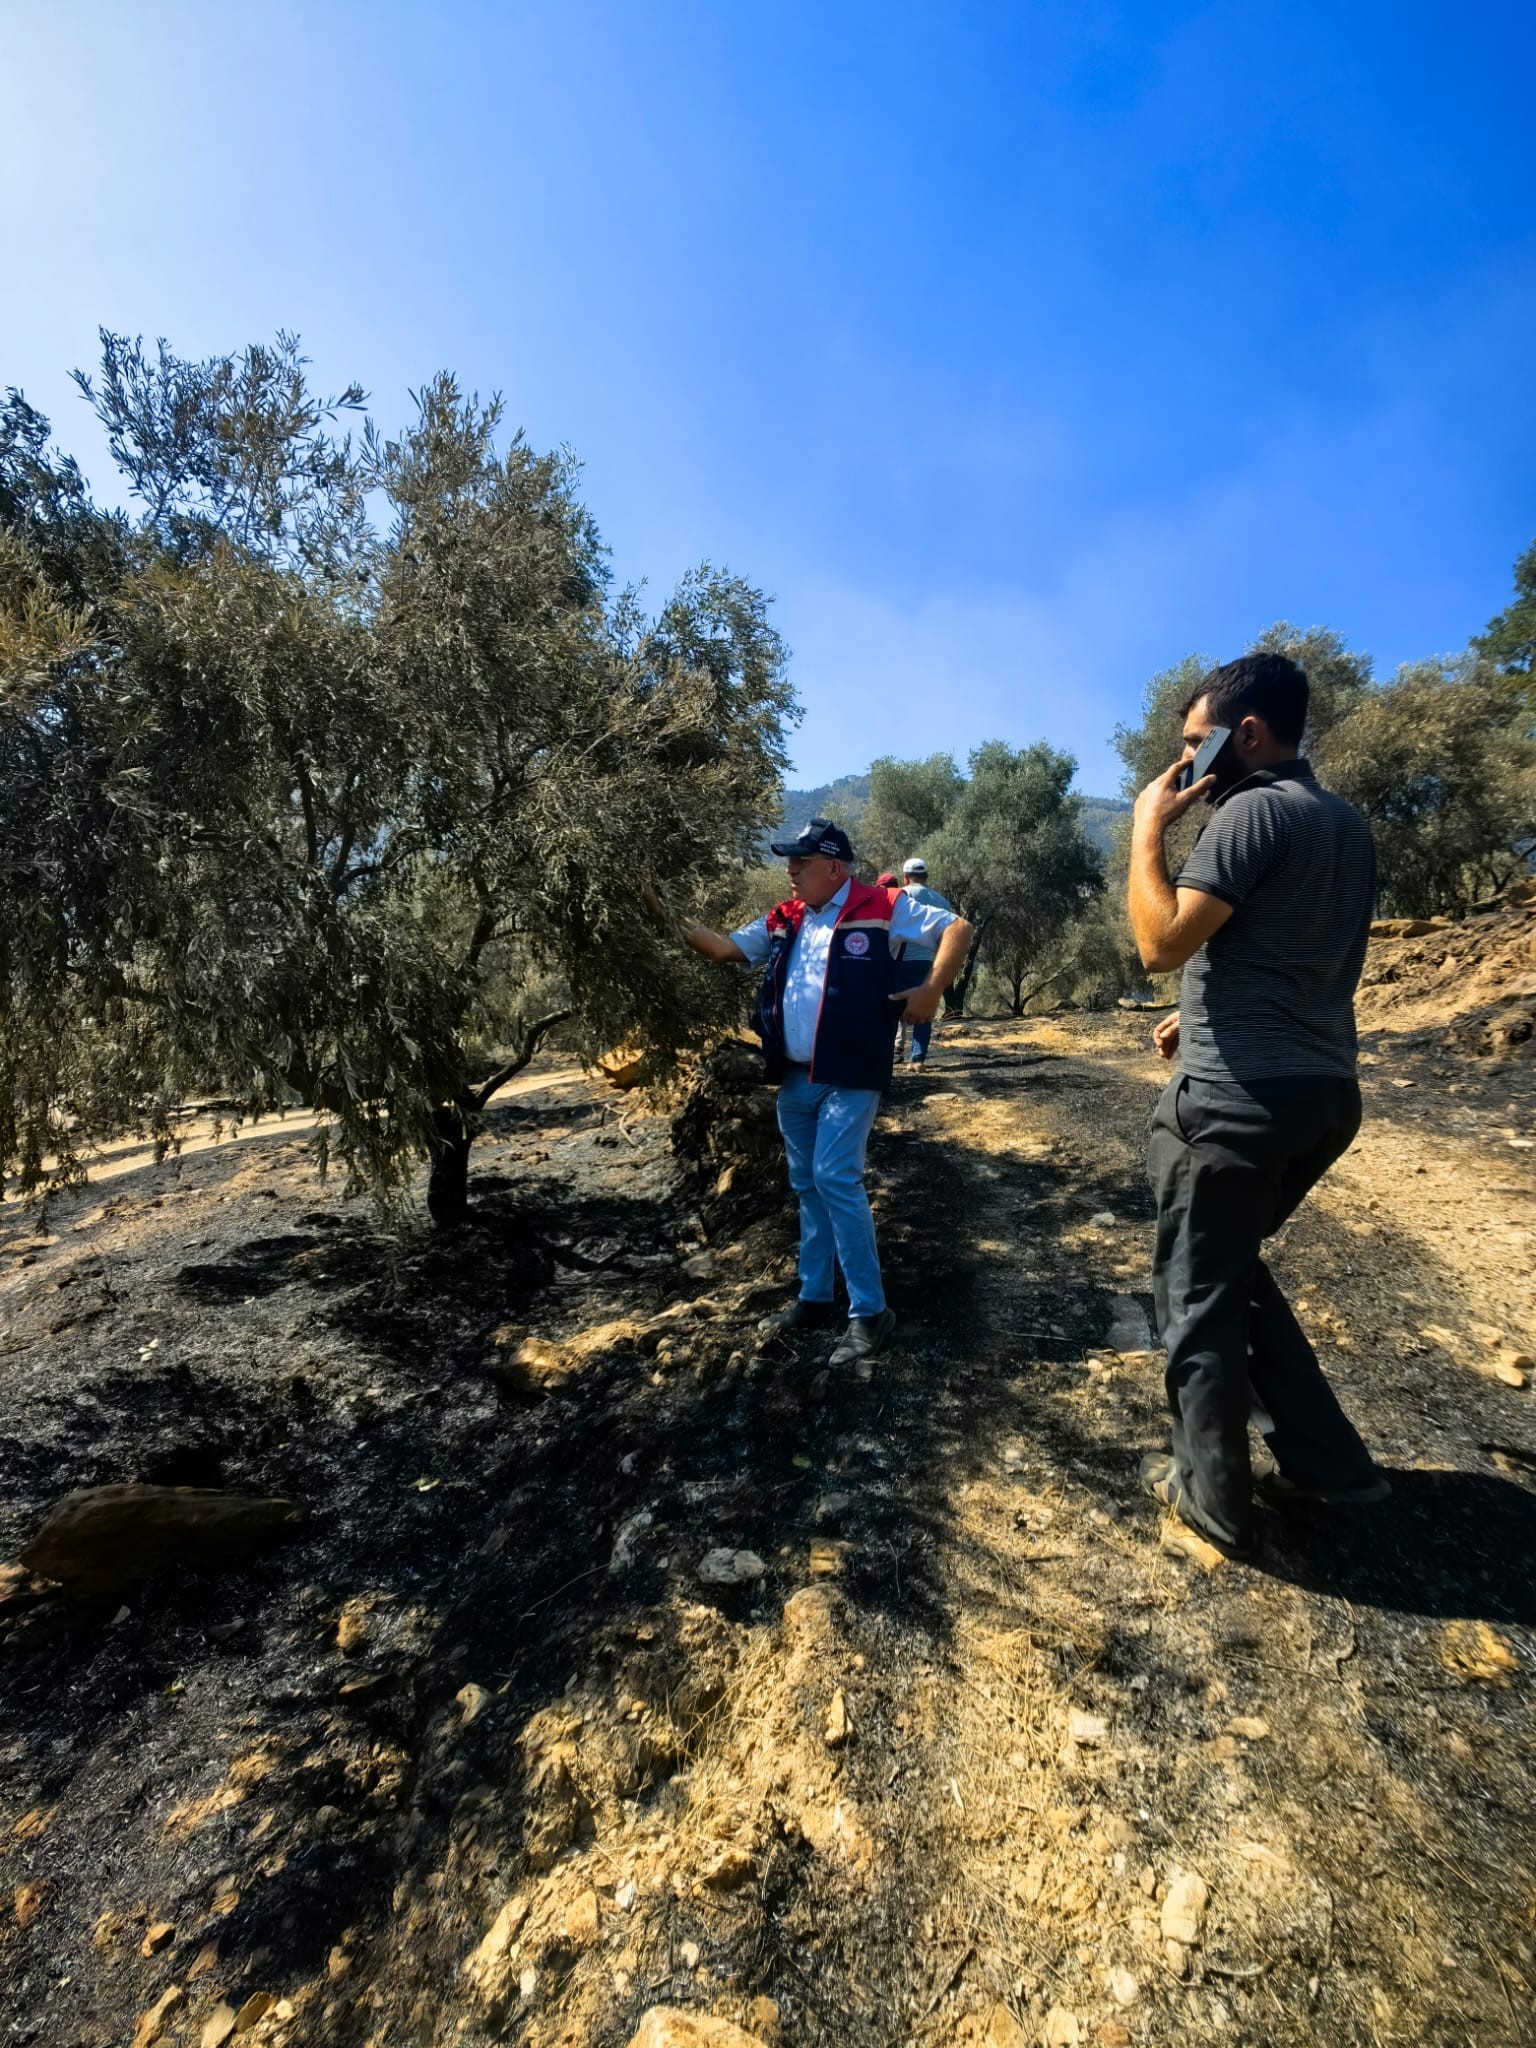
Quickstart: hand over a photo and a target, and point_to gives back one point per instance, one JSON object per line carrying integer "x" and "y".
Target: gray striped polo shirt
{"x": 1272, "y": 994}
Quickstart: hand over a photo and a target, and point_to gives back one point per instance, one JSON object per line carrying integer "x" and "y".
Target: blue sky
{"x": 1016, "y": 350}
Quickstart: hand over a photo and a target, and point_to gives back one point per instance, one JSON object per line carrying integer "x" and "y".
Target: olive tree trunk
{"x": 955, "y": 995}
{"x": 453, "y": 1132}
{"x": 456, "y": 1125}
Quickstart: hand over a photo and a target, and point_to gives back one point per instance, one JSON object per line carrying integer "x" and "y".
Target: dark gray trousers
{"x": 1229, "y": 1164}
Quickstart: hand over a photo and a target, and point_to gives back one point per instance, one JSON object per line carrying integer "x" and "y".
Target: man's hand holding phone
{"x": 1163, "y": 801}
{"x": 1168, "y": 796}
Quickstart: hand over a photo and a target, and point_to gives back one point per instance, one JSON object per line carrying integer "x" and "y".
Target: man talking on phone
{"x": 1268, "y": 918}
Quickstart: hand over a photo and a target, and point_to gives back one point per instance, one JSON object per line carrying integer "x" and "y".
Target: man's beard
{"x": 1229, "y": 770}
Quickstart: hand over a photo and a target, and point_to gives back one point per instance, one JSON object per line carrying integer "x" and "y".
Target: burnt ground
{"x": 483, "y": 1709}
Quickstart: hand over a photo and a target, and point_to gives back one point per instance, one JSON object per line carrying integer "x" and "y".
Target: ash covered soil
{"x": 964, "y": 1754}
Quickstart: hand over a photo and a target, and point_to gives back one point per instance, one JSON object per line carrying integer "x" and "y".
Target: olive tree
{"x": 1337, "y": 679}
{"x": 1448, "y": 786}
{"x": 1016, "y": 860}
{"x": 1508, "y": 643}
{"x": 328, "y": 770}
{"x": 1436, "y": 758}
{"x": 907, "y": 805}
{"x": 1004, "y": 843}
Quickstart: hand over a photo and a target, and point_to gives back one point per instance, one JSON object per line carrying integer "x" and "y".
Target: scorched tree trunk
{"x": 448, "y": 1174}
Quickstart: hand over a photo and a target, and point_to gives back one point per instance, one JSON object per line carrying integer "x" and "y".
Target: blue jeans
{"x": 921, "y": 1033}
{"x": 826, "y": 1131}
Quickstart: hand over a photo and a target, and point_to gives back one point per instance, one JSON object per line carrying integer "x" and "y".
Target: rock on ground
{"x": 730, "y": 1567}
{"x": 1184, "y": 1909}
{"x": 669, "y": 2026}
{"x": 489, "y": 1969}
{"x": 152, "y": 2023}
{"x": 107, "y": 1537}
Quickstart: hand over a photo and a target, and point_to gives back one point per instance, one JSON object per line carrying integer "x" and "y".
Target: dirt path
{"x": 941, "y": 1770}
{"x": 208, "y": 1130}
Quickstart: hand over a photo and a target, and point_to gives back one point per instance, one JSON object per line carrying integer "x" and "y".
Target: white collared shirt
{"x": 808, "y": 959}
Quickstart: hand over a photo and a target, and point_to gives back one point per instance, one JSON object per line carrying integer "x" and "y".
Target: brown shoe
{"x": 1160, "y": 1478}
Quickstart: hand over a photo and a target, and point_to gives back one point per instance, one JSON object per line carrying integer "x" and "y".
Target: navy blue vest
{"x": 856, "y": 1026}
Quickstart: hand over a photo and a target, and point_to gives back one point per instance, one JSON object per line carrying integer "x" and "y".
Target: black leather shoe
{"x": 865, "y": 1336}
{"x": 803, "y": 1315}
{"x": 1281, "y": 1492}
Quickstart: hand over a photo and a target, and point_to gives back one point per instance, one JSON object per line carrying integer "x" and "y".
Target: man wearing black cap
{"x": 827, "y": 1015}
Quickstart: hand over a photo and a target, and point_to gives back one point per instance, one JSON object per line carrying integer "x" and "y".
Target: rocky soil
{"x": 626, "y": 1680}
{"x": 1467, "y": 984}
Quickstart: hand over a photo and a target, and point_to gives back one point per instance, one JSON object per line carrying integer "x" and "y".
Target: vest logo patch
{"x": 857, "y": 944}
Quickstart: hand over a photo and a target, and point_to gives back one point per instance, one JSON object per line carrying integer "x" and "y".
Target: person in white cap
{"x": 914, "y": 879}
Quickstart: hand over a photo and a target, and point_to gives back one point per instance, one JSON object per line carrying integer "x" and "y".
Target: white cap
{"x": 914, "y": 867}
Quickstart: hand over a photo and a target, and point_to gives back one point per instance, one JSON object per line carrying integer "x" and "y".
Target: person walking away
{"x": 914, "y": 875}
{"x": 1268, "y": 918}
{"x": 889, "y": 879}
{"x": 832, "y": 990}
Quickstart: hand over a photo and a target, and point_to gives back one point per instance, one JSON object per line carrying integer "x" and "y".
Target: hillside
{"x": 845, "y": 800}
{"x": 1101, "y": 818}
{"x": 625, "y": 1661}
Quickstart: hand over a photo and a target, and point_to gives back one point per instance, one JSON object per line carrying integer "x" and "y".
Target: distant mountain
{"x": 1101, "y": 815}
{"x": 843, "y": 801}
{"x": 846, "y": 800}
